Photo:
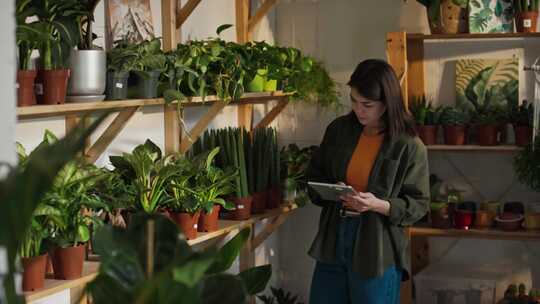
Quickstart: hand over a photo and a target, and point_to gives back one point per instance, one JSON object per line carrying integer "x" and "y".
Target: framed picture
{"x": 129, "y": 20}
{"x": 491, "y": 16}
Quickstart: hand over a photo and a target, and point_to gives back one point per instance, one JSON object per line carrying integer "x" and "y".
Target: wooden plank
{"x": 261, "y": 12}
{"x": 269, "y": 118}
{"x": 472, "y": 148}
{"x": 41, "y": 111}
{"x": 90, "y": 270}
{"x": 472, "y": 36}
{"x": 268, "y": 230}
{"x": 116, "y": 126}
{"x": 406, "y": 288}
{"x": 242, "y": 19}
{"x": 245, "y": 116}
{"x": 168, "y": 20}
{"x": 173, "y": 130}
{"x": 200, "y": 126}
{"x": 492, "y": 234}
{"x": 185, "y": 11}
{"x": 396, "y": 53}
{"x": 415, "y": 69}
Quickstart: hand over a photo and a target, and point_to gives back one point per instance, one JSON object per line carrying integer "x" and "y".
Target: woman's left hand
{"x": 365, "y": 201}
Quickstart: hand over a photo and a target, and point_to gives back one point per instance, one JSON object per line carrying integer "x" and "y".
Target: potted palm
{"x": 88, "y": 62}
{"x": 120, "y": 61}
{"x": 57, "y": 23}
{"x": 427, "y": 119}
{"x": 526, "y": 13}
{"x": 521, "y": 118}
{"x": 27, "y": 39}
{"x": 454, "y": 120}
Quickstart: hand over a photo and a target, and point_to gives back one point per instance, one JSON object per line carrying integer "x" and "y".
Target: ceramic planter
{"x": 117, "y": 85}
{"x": 242, "y": 209}
{"x": 526, "y": 22}
{"x": 259, "y": 202}
{"x": 208, "y": 222}
{"x": 523, "y": 135}
{"x": 484, "y": 219}
{"x": 509, "y": 221}
{"x": 453, "y": 19}
{"x": 455, "y": 135}
{"x": 187, "y": 222}
{"x": 428, "y": 134}
{"x": 270, "y": 85}
{"x": 145, "y": 84}
{"x": 26, "y": 95}
{"x": 463, "y": 219}
{"x": 54, "y": 86}
{"x": 532, "y": 221}
{"x": 88, "y": 74}
{"x": 68, "y": 262}
{"x": 258, "y": 83}
{"x": 275, "y": 197}
{"x": 487, "y": 135}
{"x": 34, "y": 272}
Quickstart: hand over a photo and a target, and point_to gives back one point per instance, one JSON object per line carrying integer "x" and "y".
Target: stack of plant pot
{"x": 454, "y": 122}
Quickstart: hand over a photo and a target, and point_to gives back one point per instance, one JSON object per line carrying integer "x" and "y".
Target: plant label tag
{"x": 240, "y": 206}
{"x": 3, "y": 261}
{"x": 17, "y": 85}
{"x": 38, "y": 88}
{"x": 527, "y": 23}
{"x": 119, "y": 85}
{"x": 17, "y": 277}
{"x": 195, "y": 226}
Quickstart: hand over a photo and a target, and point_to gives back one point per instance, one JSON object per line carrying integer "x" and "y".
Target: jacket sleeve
{"x": 316, "y": 171}
{"x": 412, "y": 202}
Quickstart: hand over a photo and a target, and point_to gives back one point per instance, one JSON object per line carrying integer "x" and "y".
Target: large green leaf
{"x": 256, "y": 278}
{"x": 223, "y": 289}
{"x": 192, "y": 271}
{"x": 229, "y": 252}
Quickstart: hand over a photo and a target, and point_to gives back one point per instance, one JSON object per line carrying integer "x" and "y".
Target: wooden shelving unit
{"x": 275, "y": 217}
{"x": 471, "y": 36}
{"x": 473, "y": 148}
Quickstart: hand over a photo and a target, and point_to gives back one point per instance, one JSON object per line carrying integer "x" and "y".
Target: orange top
{"x": 362, "y": 161}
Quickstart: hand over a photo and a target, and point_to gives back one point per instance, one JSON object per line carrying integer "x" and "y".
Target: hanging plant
{"x": 527, "y": 165}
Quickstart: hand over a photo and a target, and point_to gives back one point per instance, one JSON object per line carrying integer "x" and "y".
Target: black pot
{"x": 144, "y": 84}
{"x": 117, "y": 85}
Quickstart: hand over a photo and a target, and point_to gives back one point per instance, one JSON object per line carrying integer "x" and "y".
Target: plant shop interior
{"x": 159, "y": 151}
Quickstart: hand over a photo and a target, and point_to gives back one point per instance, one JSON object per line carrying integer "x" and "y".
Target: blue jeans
{"x": 337, "y": 283}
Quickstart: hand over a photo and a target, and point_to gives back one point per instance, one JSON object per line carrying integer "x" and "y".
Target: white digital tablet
{"x": 331, "y": 192}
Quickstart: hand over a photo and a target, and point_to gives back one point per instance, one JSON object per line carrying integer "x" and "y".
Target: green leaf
{"x": 191, "y": 272}
{"x": 223, "y": 289}
{"x": 229, "y": 252}
{"x": 171, "y": 96}
{"x": 256, "y": 278}
{"x": 223, "y": 27}
{"x": 83, "y": 234}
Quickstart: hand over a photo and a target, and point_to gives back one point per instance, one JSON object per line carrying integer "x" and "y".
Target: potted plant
{"x": 27, "y": 41}
{"x": 148, "y": 66}
{"x": 275, "y": 194}
{"x": 427, "y": 119}
{"x": 526, "y": 165}
{"x": 120, "y": 61}
{"x": 521, "y": 118}
{"x": 210, "y": 185}
{"x": 526, "y": 15}
{"x": 487, "y": 123}
{"x": 447, "y": 16}
{"x": 88, "y": 63}
{"x": 454, "y": 120}
{"x": 294, "y": 162}
{"x": 120, "y": 196}
{"x": 57, "y": 23}
{"x": 261, "y": 168}
{"x": 464, "y": 215}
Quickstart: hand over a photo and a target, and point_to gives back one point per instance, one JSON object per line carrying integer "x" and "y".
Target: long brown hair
{"x": 376, "y": 80}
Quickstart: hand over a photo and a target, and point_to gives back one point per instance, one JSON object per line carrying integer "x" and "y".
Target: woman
{"x": 360, "y": 249}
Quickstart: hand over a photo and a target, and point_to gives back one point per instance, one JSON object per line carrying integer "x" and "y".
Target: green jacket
{"x": 399, "y": 175}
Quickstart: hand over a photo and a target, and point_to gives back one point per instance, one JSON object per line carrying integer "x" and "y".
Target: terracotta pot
{"x": 208, "y": 222}
{"x": 463, "y": 219}
{"x": 440, "y": 218}
{"x": 453, "y": 19}
{"x": 34, "y": 272}
{"x": 428, "y": 134}
{"x": 509, "y": 221}
{"x": 523, "y": 135}
{"x": 487, "y": 135}
{"x": 275, "y": 198}
{"x": 259, "y": 202}
{"x": 532, "y": 221}
{"x": 454, "y": 135}
{"x": 526, "y": 22}
{"x": 187, "y": 222}
{"x": 55, "y": 86}
{"x": 242, "y": 210}
{"x": 484, "y": 219}
{"x": 25, "y": 88}
{"x": 68, "y": 262}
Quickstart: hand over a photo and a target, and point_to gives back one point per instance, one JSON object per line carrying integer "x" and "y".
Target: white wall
{"x": 7, "y": 81}
{"x": 344, "y": 32}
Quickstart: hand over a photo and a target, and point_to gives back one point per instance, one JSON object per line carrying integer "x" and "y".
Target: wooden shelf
{"x": 493, "y": 234}
{"x": 53, "y": 286}
{"x": 466, "y": 148}
{"x": 41, "y": 111}
{"x": 471, "y": 36}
